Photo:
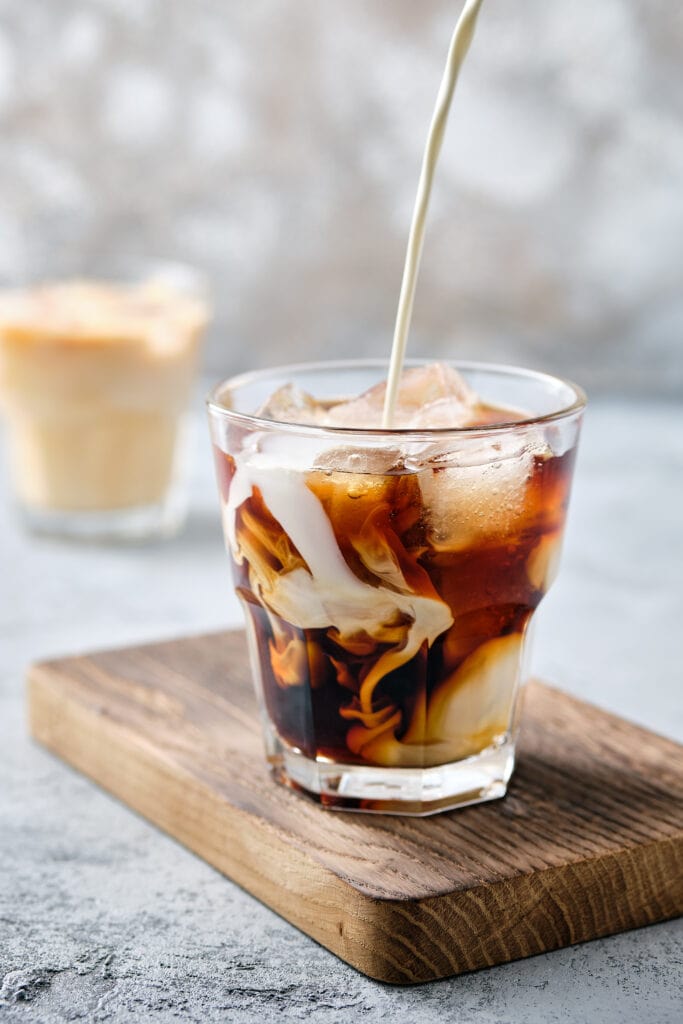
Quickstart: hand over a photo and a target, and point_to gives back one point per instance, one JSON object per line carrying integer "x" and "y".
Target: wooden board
{"x": 589, "y": 840}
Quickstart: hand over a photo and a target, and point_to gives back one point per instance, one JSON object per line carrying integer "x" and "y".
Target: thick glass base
{"x": 411, "y": 791}
{"x": 141, "y": 522}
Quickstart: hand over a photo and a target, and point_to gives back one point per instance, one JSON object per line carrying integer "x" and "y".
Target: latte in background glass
{"x": 95, "y": 381}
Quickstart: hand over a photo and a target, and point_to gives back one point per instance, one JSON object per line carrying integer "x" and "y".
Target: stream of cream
{"x": 460, "y": 44}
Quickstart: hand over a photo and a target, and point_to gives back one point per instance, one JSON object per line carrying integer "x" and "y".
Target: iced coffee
{"x": 389, "y": 577}
{"x": 95, "y": 379}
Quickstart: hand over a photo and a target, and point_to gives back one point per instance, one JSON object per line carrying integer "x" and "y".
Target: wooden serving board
{"x": 589, "y": 840}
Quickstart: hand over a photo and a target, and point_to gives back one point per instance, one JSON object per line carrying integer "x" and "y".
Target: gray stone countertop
{"x": 102, "y": 917}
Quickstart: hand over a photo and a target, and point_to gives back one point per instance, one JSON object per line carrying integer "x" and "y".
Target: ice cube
{"x": 476, "y": 492}
{"x": 375, "y": 461}
{"x": 356, "y": 485}
{"x": 437, "y": 388}
{"x": 443, "y": 413}
{"x": 289, "y": 404}
{"x": 424, "y": 384}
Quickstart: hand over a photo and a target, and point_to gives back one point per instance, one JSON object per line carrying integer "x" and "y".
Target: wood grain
{"x": 588, "y": 842}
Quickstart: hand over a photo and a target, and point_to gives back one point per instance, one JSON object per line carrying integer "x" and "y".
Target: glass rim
{"x": 252, "y": 420}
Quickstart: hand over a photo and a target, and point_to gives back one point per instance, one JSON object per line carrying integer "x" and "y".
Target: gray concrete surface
{"x": 103, "y": 918}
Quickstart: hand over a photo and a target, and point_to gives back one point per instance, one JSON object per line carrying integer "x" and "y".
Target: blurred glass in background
{"x": 96, "y": 378}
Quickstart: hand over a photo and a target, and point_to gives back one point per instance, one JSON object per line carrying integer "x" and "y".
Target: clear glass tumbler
{"x": 388, "y": 579}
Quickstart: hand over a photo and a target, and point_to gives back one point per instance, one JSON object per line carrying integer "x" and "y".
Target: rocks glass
{"x": 389, "y": 578}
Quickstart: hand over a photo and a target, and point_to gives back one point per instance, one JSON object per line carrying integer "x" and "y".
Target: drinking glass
{"x": 389, "y": 579}
{"x": 96, "y": 377}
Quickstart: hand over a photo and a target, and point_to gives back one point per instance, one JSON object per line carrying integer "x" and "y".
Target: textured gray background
{"x": 277, "y": 146}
